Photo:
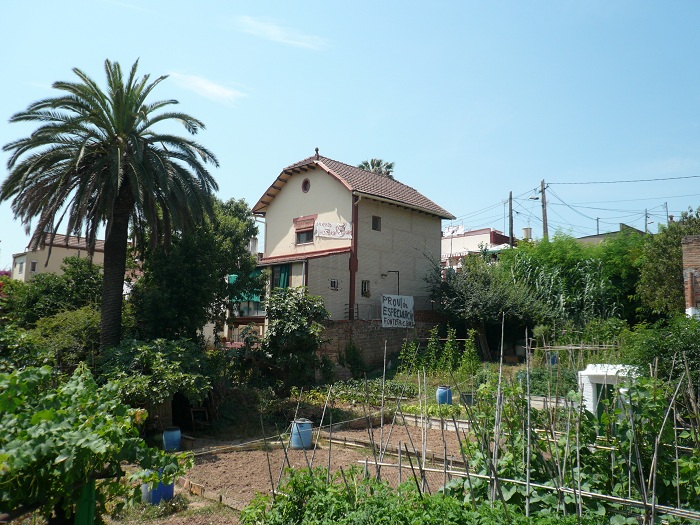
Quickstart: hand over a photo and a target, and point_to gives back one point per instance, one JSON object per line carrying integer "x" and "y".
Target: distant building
{"x": 600, "y": 237}
{"x": 27, "y": 264}
{"x": 691, "y": 274}
{"x": 457, "y": 243}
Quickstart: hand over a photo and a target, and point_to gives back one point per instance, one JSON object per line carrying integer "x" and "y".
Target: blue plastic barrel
{"x": 160, "y": 493}
{"x": 444, "y": 395}
{"x": 172, "y": 438}
{"x": 301, "y": 434}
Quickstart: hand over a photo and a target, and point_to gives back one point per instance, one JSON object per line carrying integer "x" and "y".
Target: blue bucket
{"x": 444, "y": 395}
{"x": 172, "y": 438}
{"x": 301, "y": 434}
{"x": 160, "y": 493}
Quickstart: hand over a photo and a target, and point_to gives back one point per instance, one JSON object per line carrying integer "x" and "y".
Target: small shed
{"x": 598, "y": 382}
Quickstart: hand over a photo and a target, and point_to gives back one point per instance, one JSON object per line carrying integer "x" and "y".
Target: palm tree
{"x": 378, "y": 166}
{"x": 96, "y": 161}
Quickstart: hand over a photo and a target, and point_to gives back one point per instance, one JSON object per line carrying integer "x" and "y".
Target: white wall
{"x": 326, "y": 197}
{"x": 406, "y": 243}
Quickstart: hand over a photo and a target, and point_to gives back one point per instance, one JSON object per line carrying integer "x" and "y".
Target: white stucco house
{"x": 349, "y": 236}
{"x": 32, "y": 262}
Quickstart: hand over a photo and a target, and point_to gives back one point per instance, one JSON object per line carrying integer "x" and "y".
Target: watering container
{"x": 301, "y": 434}
{"x": 172, "y": 439}
{"x": 444, "y": 395}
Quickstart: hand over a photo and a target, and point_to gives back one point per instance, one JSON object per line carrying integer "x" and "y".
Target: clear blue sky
{"x": 470, "y": 99}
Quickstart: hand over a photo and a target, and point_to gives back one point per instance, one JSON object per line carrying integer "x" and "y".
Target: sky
{"x": 471, "y": 100}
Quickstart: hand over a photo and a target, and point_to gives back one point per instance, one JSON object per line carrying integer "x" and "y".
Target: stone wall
{"x": 369, "y": 337}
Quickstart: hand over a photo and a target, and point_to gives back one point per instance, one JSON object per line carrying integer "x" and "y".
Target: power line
{"x": 627, "y": 181}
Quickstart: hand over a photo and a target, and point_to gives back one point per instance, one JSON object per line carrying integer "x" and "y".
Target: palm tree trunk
{"x": 114, "y": 268}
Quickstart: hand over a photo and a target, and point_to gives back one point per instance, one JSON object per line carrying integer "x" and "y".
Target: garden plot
{"x": 238, "y": 473}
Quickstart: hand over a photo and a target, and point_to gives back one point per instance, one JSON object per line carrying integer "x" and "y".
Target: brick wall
{"x": 691, "y": 272}
{"x": 369, "y": 337}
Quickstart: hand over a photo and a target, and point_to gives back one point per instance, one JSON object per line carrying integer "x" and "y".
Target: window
{"x": 376, "y": 223}
{"x": 21, "y": 268}
{"x": 305, "y": 237}
{"x": 304, "y": 229}
{"x": 365, "y": 289}
{"x": 306, "y": 185}
{"x": 334, "y": 284}
{"x": 32, "y": 266}
{"x": 280, "y": 276}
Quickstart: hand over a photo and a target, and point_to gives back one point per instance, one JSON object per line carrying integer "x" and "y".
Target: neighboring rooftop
{"x": 596, "y": 239}
{"x": 357, "y": 181}
{"x": 71, "y": 241}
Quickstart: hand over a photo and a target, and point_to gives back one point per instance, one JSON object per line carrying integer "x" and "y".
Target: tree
{"x": 293, "y": 335}
{"x": 661, "y": 276}
{"x": 179, "y": 293}
{"x": 47, "y": 294}
{"x": 482, "y": 292}
{"x": 96, "y": 159}
{"x": 378, "y": 166}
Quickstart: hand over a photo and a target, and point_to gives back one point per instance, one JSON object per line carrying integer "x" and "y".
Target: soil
{"x": 235, "y": 474}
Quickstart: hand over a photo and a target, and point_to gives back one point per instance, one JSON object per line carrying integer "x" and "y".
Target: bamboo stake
{"x": 399, "y": 453}
{"x": 323, "y": 414}
{"x": 499, "y": 407}
{"x": 330, "y": 445}
{"x": 369, "y": 429}
{"x": 414, "y": 474}
{"x": 381, "y": 427}
{"x": 398, "y": 410}
{"x": 267, "y": 455}
{"x": 656, "y": 449}
{"x": 464, "y": 460}
{"x": 684, "y": 513}
{"x": 529, "y": 449}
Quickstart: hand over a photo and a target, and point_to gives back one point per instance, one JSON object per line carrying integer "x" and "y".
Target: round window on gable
{"x": 306, "y": 185}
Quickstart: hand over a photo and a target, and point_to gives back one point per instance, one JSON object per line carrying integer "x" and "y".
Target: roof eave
{"x": 446, "y": 215}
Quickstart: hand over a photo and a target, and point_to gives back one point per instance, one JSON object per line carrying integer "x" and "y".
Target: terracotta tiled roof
{"x": 358, "y": 181}
{"x": 77, "y": 243}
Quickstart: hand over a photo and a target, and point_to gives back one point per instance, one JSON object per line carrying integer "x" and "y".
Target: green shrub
{"x": 665, "y": 346}
{"x": 151, "y": 372}
{"x": 58, "y": 437}
{"x": 70, "y": 337}
{"x": 352, "y": 359}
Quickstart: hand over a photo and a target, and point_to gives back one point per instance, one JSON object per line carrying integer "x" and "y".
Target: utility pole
{"x": 666, "y": 207}
{"x": 510, "y": 219}
{"x": 545, "y": 229}
{"x": 646, "y": 220}
{"x": 597, "y": 225}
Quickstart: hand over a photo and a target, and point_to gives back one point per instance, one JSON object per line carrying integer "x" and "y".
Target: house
{"x": 598, "y": 238}
{"x": 349, "y": 236}
{"x": 27, "y": 264}
{"x": 457, "y": 243}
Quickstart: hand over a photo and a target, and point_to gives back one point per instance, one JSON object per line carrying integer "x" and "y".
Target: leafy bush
{"x": 151, "y": 372}
{"x": 57, "y": 438}
{"x": 665, "y": 346}
{"x": 293, "y": 337}
{"x": 70, "y": 337}
{"x": 349, "y": 499}
{"x": 353, "y": 360}
{"x": 18, "y": 351}
{"x": 47, "y": 294}
{"x": 549, "y": 381}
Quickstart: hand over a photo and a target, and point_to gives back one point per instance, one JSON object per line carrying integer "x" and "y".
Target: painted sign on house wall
{"x": 397, "y": 311}
{"x": 334, "y": 230}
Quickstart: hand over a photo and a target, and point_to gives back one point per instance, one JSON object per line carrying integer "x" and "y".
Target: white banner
{"x": 397, "y": 311}
{"x": 334, "y": 230}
